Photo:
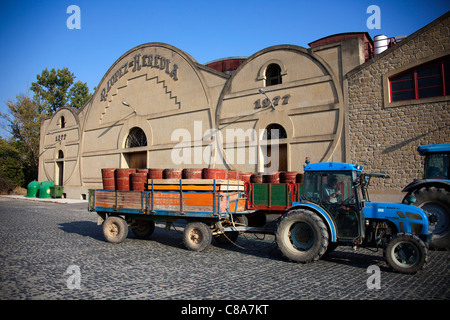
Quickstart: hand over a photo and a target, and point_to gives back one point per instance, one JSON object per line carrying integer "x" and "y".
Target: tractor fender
{"x": 422, "y": 183}
{"x": 320, "y": 212}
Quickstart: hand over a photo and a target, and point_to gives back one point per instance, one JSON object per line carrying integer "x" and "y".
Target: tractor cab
{"x": 436, "y": 161}
{"x": 337, "y": 188}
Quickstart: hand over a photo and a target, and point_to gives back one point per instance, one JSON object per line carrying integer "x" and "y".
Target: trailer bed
{"x": 183, "y": 198}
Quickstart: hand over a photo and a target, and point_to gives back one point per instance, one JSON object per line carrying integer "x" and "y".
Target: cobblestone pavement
{"x": 44, "y": 245}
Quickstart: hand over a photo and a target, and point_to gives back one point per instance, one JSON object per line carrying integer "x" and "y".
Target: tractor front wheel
{"x": 406, "y": 253}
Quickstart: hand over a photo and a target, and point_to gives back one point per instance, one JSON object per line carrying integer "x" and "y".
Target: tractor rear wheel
{"x": 406, "y": 253}
{"x": 436, "y": 201}
{"x": 302, "y": 236}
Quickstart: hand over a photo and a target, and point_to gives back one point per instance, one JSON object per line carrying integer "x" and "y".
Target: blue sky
{"x": 34, "y": 34}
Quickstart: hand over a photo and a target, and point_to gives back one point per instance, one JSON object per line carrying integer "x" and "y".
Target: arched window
{"x": 273, "y": 74}
{"x": 136, "y": 138}
{"x": 274, "y": 131}
{"x": 60, "y": 154}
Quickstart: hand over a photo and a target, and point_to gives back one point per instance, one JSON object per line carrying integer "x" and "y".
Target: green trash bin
{"x": 56, "y": 191}
{"x": 33, "y": 189}
{"x": 44, "y": 190}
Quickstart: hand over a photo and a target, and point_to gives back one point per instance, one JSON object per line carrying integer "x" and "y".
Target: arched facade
{"x": 332, "y": 102}
{"x": 59, "y": 147}
{"x": 301, "y": 92}
{"x": 193, "y": 116}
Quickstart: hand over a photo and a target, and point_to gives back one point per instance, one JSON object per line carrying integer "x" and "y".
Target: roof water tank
{"x": 380, "y": 43}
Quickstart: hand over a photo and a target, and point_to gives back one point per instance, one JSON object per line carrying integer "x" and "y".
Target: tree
{"x": 52, "y": 90}
{"x": 11, "y": 166}
{"x": 56, "y": 88}
{"x": 24, "y": 120}
{"x": 79, "y": 94}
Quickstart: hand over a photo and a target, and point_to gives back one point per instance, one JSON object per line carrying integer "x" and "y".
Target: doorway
{"x": 59, "y": 172}
{"x": 136, "y": 138}
{"x": 275, "y": 155}
{"x": 136, "y": 160}
{"x": 59, "y": 179}
{"x": 280, "y": 160}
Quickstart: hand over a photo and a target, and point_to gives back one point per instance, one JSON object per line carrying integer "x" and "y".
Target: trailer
{"x": 210, "y": 208}
{"x": 330, "y": 208}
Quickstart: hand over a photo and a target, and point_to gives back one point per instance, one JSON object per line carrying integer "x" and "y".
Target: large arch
{"x": 155, "y": 87}
{"x": 60, "y": 137}
{"x": 308, "y": 103}
{"x": 163, "y": 90}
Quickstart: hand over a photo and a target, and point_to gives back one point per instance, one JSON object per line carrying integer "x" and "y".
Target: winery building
{"x": 157, "y": 107}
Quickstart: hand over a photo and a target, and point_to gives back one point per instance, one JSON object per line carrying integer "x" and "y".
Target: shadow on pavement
{"x": 249, "y": 244}
{"x": 83, "y": 228}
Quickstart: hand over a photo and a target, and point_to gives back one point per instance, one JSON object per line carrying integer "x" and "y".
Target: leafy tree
{"x": 52, "y": 90}
{"x": 79, "y": 94}
{"x": 24, "y": 121}
{"x": 11, "y": 166}
{"x": 56, "y": 88}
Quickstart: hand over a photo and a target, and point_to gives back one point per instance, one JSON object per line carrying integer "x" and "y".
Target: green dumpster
{"x": 56, "y": 191}
{"x": 44, "y": 190}
{"x": 33, "y": 189}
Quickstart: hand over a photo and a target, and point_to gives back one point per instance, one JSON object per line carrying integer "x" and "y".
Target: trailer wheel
{"x": 143, "y": 228}
{"x": 302, "y": 236}
{"x": 115, "y": 229}
{"x": 406, "y": 253}
{"x": 197, "y": 236}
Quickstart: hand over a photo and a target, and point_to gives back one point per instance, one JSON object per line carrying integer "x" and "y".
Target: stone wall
{"x": 384, "y": 136}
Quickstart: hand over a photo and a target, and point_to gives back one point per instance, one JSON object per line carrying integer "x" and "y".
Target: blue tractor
{"x": 432, "y": 193}
{"x": 335, "y": 210}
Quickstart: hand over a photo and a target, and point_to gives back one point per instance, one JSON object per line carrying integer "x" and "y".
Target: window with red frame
{"x": 425, "y": 81}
